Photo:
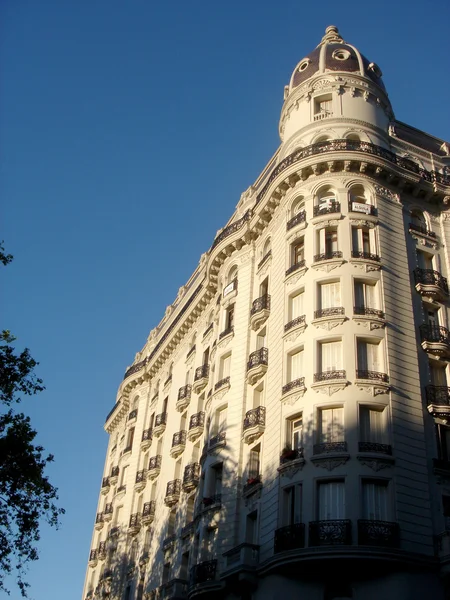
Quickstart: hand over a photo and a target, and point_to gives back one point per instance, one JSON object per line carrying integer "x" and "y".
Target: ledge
{"x": 328, "y": 264}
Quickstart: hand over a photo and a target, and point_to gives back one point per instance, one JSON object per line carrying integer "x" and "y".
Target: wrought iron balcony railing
{"x": 329, "y": 375}
{"x": 135, "y": 368}
{"x": 208, "y": 329}
{"x": 438, "y": 394}
{"x": 191, "y": 352}
{"x": 191, "y": 475}
{"x": 147, "y": 435}
{"x": 225, "y": 332}
{"x": 217, "y": 440}
{"x": 155, "y": 462}
{"x": 375, "y": 447}
{"x": 255, "y": 416}
{"x": 209, "y": 501}
{"x": 332, "y": 311}
{"x": 434, "y": 334}
{"x": 290, "y": 537}
{"x": 115, "y": 472}
{"x": 335, "y": 532}
{"x": 179, "y": 439}
{"x": 184, "y": 392}
{"x": 99, "y": 518}
{"x": 161, "y": 419}
{"x": 298, "y": 265}
{"x": 378, "y": 533}
{"x": 173, "y": 487}
{"x": 327, "y": 255}
{"x": 135, "y": 520}
{"x": 264, "y": 258}
{"x": 372, "y": 375}
{"x": 294, "y": 322}
{"x": 365, "y": 255}
{"x": 197, "y": 420}
{"x": 93, "y": 554}
{"x": 222, "y": 383}
{"x": 326, "y": 208}
{"x": 102, "y": 550}
{"x": 203, "y": 572}
{"x": 259, "y": 357}
{"x": 294, "y": 385}
{"x": 430, "y": 277}
{"x": 113, "y": 532}
{"x": 141, "y": 476}
{"x": 108, "y": 509}
{"x": 149, "y": 509}
{"x": 262, "y": 303}
{"x": 105, "y": 482}
{"x": 201, "y": 372}
{"x": 252, "y": 482}
{"x": 300, "y": 217}
{"x": 327, "y": 447}
{"x": 369, "y": 312}
{"x": 127, "y": 449}
{"x": 133, "y": 414}
{"x": 422, "y": 229}
{"x": 288, "y": 455}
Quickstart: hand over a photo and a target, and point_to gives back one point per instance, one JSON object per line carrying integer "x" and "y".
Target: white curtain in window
{"x": 330, "y": 295}
{"x": 296, "y": 365}
{"x": 226, "y": 362}
{"x": 331, "y": 356}
{"x": 331, "y": 500}
{"x": 331, "y": 425}
{"x": 297, "y": 306}
{"x": 372, "y": 425}
{"x": 222, "y": 420}
{"x": 368, "y": 356}
{"x": 365, "y": 295}
{"x": 375, "y": 501}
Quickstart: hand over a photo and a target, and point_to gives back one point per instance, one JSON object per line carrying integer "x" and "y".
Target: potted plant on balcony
{"x": 288, "y": 453}
{"x": 253, "y": 480}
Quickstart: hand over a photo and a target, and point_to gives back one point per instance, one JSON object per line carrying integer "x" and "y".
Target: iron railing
{"x": 147, "y": 435}
{"x": 105, "y": 482}
{"x": 300, "y": 217}
{"x": 293, "y": 385}
{"x": 438, "y": 394}
{"x": 335, "y": 532}
{"x": 203, "y": 572}
{"x": 329, "y": 375}
{"x": 161, "y": 419}
{"x": 214, "y": 500}
{"x": 201, "y": 372}
{"x": 378, "y": 533}
{"x": 332, "y": 311}
{"x": 222, "y": 383}
{"x": 327, "y": 208}
{"x": 298, "y": 265}
{"x": 375, "y": 447}
{"x": 191, "y": 352}
{"x": 155, "y": 462}
{"x": 262, "y": 303}
{"x": 252, "y": 483}
{"x": 141, "y": 476}
{"x": 369, "y": 312}
{"x": 197, "y": 420}
{"x": 294, "y": 322}
{"x": 133, "y": 414}
{"x": 434, "y": 334}
{"x": 135, "y": 520}
{"x": 93, "y": 555}
{"x": 422, "y": 229}
{"x": 191, "y": 476}
{"x": 179, "y": 439}
{"x": 288, "y": 455}
{"x": 115, "y": 472}
{"x": 99, "y": 518}
{"x": 259, "y": 357}
{"x": 108, "y": 509}
{"x": 290, "y": 537}
{"x": 231, "y": 229}
{"x": 327, "y": 447}
{"x": 149, "y": 509}
{"x": 255, "y": 416}
{"x": 264, "y": 258}
{"x": 185, "y": 392}
{"x": 173, "y": 488}
{"x": 431, "y": 277}
{"x": 225, "y": 332}
{"x": 327, "y": 255}
{"x": 365, "y": 255}
{"x": 208, "y": 329}
{"x": 372, "y": 375}
{"x": 102, "y": 550}
{"x": 217, "y": 440}
{"x": 135, "y": 368}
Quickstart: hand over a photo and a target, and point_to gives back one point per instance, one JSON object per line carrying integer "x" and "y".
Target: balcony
{"x": 134, "y": 525}
{"x": 178, "y": 443}
{"x": 108, "y": 512}
{"x": 244, "y": 557}
{"x": 196, "y": 426}
{"x": 378, "y": 533}
{"x": 257, "y": 365}
{"x": 363, "y": 374}
{"x": 435, "y": 340}
{"x": 337, "y": 532}
{"x": 101, "y": 551}
{"x": 223, "y": 384}
{"x": 148, "y": 512}
{"x": 328, "y": 318}
{"x": 141, "y": 480}
{"x": 105, "y": 486}
{"x": 254, "y": 424}
{"x": 297, "y": 325}
{"x": 132, "y": 415}
{"x": 296, "y": 385}
{"x": 154, "y": 466}
{"x": 431, "y": 284}
{"x": 362, "y": 207}
{"x": 362, "y": 255}
{"x": 173, "y": 491}
{"x": 291, "y": 537}
{"x": 438, "y": 401}
{"x": 422, "y": 230}
{"x": 335, "y": 254}
{"x": 207, "y": 331}
{"x": 169, "y": 541}
{"x": 299, "y": 218}
{"x": 190, "y": 353}
{"x": 333, "y": 311}
{"x": 288, "y": 455}
{"x": 121, "y": 490}
{"x": 372, "y": 315}
{"x": 375, "y": 448}
{"x": 264, "y": 259}
{"x": 175, "y": 589}
{"x": 217, "y": 441}
{"x": 298, "y": 266}
{"x": 259, "y": 312}
{"x": 327, "y": 208}
{"x": 225, "y": 334}
{"x": 204, "y": 572}
{"x": 210, "y": 502}
{"x": 253, "y": 484}
{"x": 329, "y": 375}
{"x": 330, "y": 455}
{"x": 160, "y": 424}
{"x": 99, "y": 521}
{"x": 330, "y": 381}
{"x": 147, "y": 436}
{"x": 187, "y": 530}
{"x": 113, "y": 478}
{"x": 191, "y": 477}
{"x": 200, "y": 378}
{"x": 93, "y": 558}
{"x": 327, "y": 447}
{"x": 184, "y": 397}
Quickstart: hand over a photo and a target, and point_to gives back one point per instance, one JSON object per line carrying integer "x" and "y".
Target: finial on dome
{"x": 331, "y": 35}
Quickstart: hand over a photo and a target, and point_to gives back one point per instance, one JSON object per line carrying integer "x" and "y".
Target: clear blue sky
{"x": 120, "y": 120}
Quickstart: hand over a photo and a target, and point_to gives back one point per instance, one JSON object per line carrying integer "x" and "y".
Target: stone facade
{"x": 284, "y": 429}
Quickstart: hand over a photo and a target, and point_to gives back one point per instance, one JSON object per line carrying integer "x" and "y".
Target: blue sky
{"x": 120, "y": 120}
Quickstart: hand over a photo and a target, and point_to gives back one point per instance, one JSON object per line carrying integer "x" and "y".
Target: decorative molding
{"x": 374, "y": 388}
{"x": 293, "y": 333}
{"x": 329, "y": 323}
{"x": 369, "y": 323}
{"x": 386, "y": 193}
{"x": 292, "y": 397}
{"x": 326, "y": 223}
{"x": 365, "y": 264}
{"x": 376, "y": 463}
{"x": 328, "y": 265}
{"x": 223, "y": 342}
{"x": 329, "y": 388}
{"x": 330, "y": 462}
{"x": 295, "y": 276}
{"x": 364, "y": 222}
{"x": 291, "y": 468}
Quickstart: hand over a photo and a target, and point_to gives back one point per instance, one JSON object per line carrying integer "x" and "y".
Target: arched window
{"x": 232, "y": 274}
{"x": 267, "y": 247}
{"x": 297, "y": 206}
{"x": 353, "y": 137}
{"x": 326, "y": 201}
{"x": 322, "y": 138}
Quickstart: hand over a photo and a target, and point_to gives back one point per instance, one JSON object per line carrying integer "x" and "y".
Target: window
{"x": 372, "y": 425}
{"x": 369, "y": 358}
{"x": 438, "y": 375}
{"x": 258, "y": 396}
{"x": 323, "y": 107}
{"x": 326, "y": 198}
{"x": 446, "y": 511}
{"x": 267, "y": 248}
{"x": 295, "y": 365}
{"x": 331, "y": 500}
{"x": 261, "y": 339}
{"x": 366, "y": 295}
{"x": 424, "y": 260}
{"x": 297, "y": 206}
{"x": 328, "y": 242}
{"x": 359, "y": 201}
{"x": 375, "y": 500}
{"x": 166, "y": 573}
{"x": 295, "y": 432}
{"x": 296, "y": 306}
{"x": 225, "y": 363}
{"x": 291, "y": 505}
{"x": 330, "y": 295}
{"x": 130, "y": 439}
{"x": 220, "y": 424}
{"x": 330, "y": 356}
{"x": 251, "y": 530}
{"x": 298, "y": 252}
{"x": 254, "y": 463}
{"x": 331, "y": 425}
{"x": 216, "y": 479}
{"x": 228, "y": 323}
{"x": 443, "y": 439}
{"x": 264, "y": 287}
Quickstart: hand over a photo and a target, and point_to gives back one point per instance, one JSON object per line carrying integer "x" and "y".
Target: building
{"x": 285, "y": 427}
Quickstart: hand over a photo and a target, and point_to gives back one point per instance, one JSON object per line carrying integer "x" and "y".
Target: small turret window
{"x": 341, "y": 54}
{"x": 304, "y": 64}
{"x": 323, "y": 107}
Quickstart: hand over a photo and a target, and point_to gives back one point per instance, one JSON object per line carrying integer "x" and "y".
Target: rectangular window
{"x": 363, "y": 240}
{"x": 295, "y": 432}
{"x": 368, "y": 356}
{"x": 330, "y": 356}
{"x": 229, "y": 318}
{"x": 366, "y": 295}
{"x": 424, "y": 260}
{"x": 295, "y": 365}
{"x": 372, "y": 424}
{"x": 225, "y": 364}
{"x": 331, "y": 241}
{"x": 296, "y": 306}
{"x": 443, "y": 439}
{"x": 375, "y": 500}
{"x": 331, "y": 425}
{"x": 291, "y": 507}
{"x": 331, "y": 497}
{"x": 298, "y": 252}
{"x": 330, "y": 295}
{"x": 261, "y": 340}
{"x": 438, "y": 375}
{"x": 251, "y": 530}
{"x": 323, "y": 107}
{"x": 220, "y": 421}
{"x": 217, "y": 474}
{"x": 254, "y": 462}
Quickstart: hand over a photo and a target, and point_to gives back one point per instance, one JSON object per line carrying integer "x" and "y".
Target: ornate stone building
{"x": 285, "y": 427}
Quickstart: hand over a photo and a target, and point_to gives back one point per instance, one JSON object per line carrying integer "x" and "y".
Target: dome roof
{"x": 333, "y": 54}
